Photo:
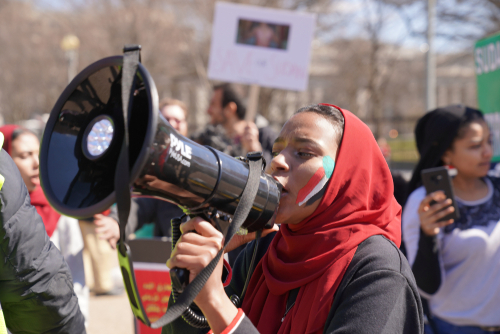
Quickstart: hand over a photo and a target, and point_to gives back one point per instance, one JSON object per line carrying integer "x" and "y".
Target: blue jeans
{"x": 444, "y": 327}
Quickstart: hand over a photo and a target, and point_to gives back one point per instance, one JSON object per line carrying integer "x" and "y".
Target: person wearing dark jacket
{"x": 36, "y": 287}
{"x": 227, "y": 112}
{"x": 334, "y": 265}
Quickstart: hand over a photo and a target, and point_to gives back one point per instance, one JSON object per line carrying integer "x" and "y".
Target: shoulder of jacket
{"x": 377, "y": 253}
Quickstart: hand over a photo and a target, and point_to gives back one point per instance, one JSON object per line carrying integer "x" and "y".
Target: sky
{"x": 352, "y": 17}
{"x": 407, "y": 26}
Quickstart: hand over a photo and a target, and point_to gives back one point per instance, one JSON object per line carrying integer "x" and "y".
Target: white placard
{"x": 263, "y": 46}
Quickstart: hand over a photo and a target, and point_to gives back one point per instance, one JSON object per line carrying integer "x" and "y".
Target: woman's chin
{"x": 32, "y": 185}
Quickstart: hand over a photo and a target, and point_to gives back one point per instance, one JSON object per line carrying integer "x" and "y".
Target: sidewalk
{"x": 110, "y": 315}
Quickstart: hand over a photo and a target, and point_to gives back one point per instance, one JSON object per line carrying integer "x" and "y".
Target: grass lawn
{"x": 403, "y": 150}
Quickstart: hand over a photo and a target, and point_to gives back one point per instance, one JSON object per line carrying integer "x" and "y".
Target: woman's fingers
{"x": 445, "y": 223}
{"x": 239, "y": 240}
{"x": 431, "y": 224}
{"x": 194, "y": 251}
{"x": 430, "y": 215}
{"x": 201, "y": 226}
{"x": 193, "y": 262}
{"x": 193, "y": 244}
{"x": 437, "y": 196}
{"x": 438, "y": 210}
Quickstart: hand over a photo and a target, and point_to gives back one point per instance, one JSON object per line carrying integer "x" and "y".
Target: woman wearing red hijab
{"x": 23, "y": 146}
{"x": 334, "y": 265}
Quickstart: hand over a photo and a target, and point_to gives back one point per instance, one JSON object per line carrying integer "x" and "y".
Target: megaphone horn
{"x": 82, "y": 141}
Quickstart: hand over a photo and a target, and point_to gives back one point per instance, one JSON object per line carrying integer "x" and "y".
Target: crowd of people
{"x": 344, "y": 255}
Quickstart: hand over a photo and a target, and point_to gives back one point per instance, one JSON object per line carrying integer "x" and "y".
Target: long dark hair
{"x": 435, "y": 133}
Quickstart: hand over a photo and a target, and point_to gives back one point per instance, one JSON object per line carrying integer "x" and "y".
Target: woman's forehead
{"x": 25, "y": 140}
{"x": 307, "y": 124}
{"x": 477, "y": 129}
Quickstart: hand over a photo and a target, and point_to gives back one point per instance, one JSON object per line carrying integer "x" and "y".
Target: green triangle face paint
{"x": 328, "y": 165}
{"x": 317, "y": 183}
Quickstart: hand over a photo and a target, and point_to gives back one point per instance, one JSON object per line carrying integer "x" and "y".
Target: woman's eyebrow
{"x": 300, "y": 140}
{"x": 297, "y": 140}
{"x": 304, "y": 140}
{"x": 279, "y": 140}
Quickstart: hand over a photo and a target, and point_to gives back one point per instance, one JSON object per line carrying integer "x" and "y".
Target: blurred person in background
{"x": 227, "y": 110}
{"x": 456, "y": 263}
{"x": 176, "y": 113}
{"x": 101, "y": 269}
{"x": 227, "y": 113}
{"x": 64, "y": 232}
{"x": 36, "y": 290}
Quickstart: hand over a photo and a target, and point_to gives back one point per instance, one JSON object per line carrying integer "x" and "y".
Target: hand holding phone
{"x": 439, "y": 207}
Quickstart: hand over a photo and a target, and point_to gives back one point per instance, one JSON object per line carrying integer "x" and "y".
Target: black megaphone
{"x": 82, "y": 142}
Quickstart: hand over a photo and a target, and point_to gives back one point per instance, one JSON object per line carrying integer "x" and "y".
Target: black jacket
{"x": 36, "y": 288}
{"x": 377, "y": 294}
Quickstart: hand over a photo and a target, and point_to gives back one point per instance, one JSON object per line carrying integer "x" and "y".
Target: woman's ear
{"x": 446, "y": 157}
{"x": 230, "y": 109}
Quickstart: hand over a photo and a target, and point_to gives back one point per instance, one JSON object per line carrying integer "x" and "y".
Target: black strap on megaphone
{"x": 131, "y": 59}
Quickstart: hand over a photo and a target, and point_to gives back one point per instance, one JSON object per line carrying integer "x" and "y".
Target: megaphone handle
{"x": 180, "y": 276}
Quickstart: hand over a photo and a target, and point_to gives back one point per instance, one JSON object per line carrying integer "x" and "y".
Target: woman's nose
{"x": 488, "y": 150}
{"x": 36, "y": 161}
{"x": 279, "y": 163}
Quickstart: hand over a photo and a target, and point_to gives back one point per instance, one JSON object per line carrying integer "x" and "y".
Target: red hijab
{"x": 314, "y": 254}
{"x": 38, "y": 199}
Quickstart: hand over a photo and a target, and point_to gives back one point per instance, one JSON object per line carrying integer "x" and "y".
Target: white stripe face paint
{"x": 316, "y": 189}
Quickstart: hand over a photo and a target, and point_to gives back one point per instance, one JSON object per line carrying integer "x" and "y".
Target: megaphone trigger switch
{"x": 179, "y": 278}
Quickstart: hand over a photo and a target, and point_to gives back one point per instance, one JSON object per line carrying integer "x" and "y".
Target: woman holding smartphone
{"x": 456, "y": 263}
{"x": 334, "y": 265}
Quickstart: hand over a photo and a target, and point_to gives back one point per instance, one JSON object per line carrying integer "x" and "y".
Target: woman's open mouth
{"x": 284, "y": 190}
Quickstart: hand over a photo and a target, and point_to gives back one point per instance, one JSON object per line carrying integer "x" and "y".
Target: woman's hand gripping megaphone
{"x": 194, "y": 251}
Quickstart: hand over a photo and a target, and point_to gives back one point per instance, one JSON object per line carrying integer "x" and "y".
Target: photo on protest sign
{"x": 262, "y": 34}
{"x": 262, "y": 46}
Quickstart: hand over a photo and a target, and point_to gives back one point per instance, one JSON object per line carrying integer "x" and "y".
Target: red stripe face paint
{"x": 309, "y": 193}
{"x": 311, "y": 184}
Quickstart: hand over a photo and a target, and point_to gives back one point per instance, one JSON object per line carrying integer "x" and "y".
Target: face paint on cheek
{"x": 316, "y": 185}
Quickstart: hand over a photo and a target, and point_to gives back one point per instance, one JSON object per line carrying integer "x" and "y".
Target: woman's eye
{"x": 305, "y": 154}
{"x": 275, "y": 153}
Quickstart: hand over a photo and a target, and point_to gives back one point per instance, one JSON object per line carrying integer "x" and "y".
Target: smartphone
{"x": 435, "y": 179}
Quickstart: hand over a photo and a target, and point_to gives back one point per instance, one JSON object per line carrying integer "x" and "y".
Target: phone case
{"x": 438, "y": 179}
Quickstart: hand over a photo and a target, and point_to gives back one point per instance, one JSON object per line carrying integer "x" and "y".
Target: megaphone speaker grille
{"x": 84, "y": 133}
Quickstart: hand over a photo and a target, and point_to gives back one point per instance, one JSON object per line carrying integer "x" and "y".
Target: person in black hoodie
{"x": 36, "y": 288}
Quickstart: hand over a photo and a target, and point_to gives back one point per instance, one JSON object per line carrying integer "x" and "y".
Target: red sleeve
{"x": 229, "y": 273}
{"x": 234, "y": 324}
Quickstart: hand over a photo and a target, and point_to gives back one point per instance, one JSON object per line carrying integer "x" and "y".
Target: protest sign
{"x": 487, "y": 60}
{"x": 153, "y": 279}
{"x": 261, "y": 46}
